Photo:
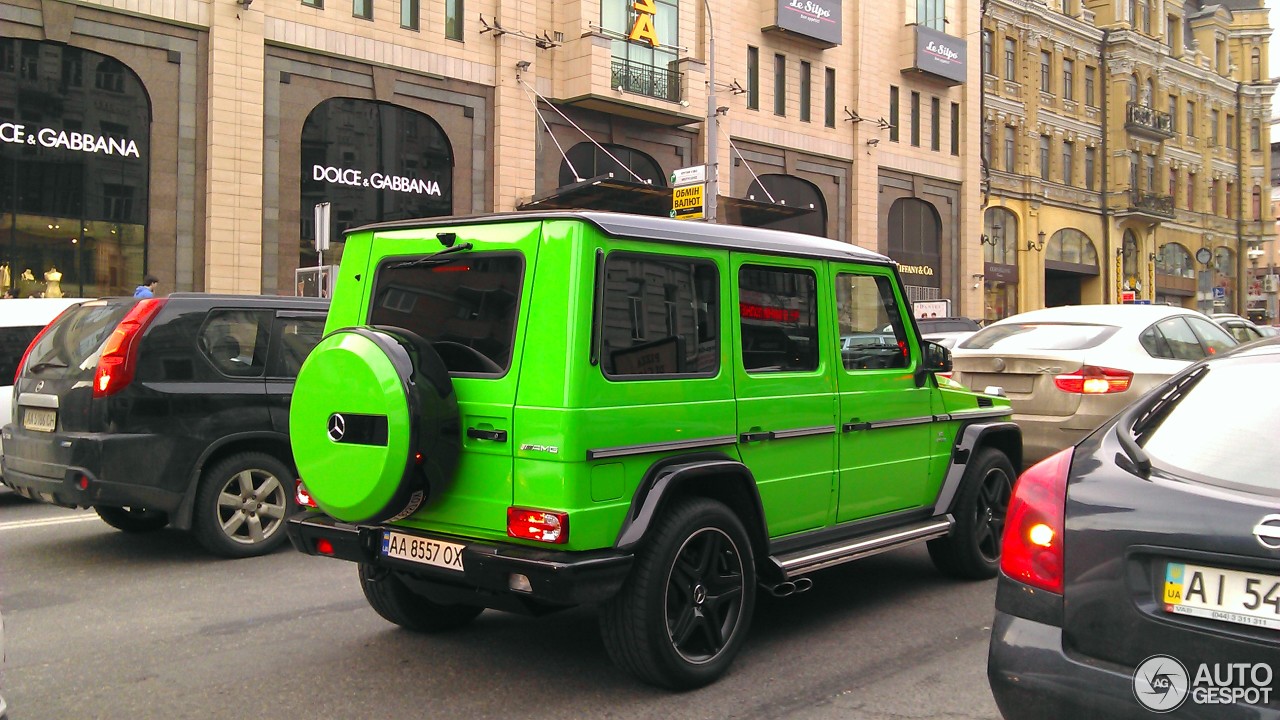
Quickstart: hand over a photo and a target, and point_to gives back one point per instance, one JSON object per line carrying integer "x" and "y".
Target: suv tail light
{"x": 303, "y": 497}
{"x": 17, "y": 373}
{"x": 119, "y": 356}
{"x": 1091, "y": 380}
{"x": 1031, "y": 551}
{"x": 540, "y": 525}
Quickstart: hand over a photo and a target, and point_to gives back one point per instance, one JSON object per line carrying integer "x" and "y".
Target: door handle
{"x": 494, "y": 435}
{"x": 757, "y": 435}
{"x": 854, "y": 425}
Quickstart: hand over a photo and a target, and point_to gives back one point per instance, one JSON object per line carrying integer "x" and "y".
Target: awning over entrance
{"x": 614, "y": 194}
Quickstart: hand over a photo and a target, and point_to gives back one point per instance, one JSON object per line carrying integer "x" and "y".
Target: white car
{"x": 20, "y": 321}
{"x": 1067, "y": 370}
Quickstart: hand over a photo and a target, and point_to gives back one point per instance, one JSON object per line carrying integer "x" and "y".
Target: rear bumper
{"x": 1044, "y": 435}
{"x": 557, "y": 578}
{"x": 120, "y": 470}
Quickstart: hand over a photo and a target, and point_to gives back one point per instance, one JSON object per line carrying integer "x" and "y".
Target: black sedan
{"x": 1140, "y": 570}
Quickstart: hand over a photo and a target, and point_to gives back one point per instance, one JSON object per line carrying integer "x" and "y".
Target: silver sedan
{"x": 1066, "y": 370}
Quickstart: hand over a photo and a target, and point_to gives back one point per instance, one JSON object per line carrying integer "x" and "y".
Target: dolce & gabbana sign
{"x": 55, "y": 139}
{"x": 941, "y": 55}
{"x": 816, "y": 19}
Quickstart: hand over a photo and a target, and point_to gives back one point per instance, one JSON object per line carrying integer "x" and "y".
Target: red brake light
{"x": 324, "y": 547}
{"x": 23, "y": 362}
{"x": 120, "y": 352}
{"x": 1091, "y": 380}
{"x": 541, "y": 525}
{"x": 1031, "y": 549}
{"x": 302, "y": 496}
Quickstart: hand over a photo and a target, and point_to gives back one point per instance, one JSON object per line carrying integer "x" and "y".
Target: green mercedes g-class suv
{"x": 534, "y": 411}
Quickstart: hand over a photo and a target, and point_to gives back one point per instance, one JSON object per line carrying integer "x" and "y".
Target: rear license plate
{"x": 1247, "y": 598}
{"x": 421, "y": 550}
{"x": 41, "y": 420}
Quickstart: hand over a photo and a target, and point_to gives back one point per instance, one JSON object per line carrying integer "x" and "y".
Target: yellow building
{"x": 1124, "y": 151}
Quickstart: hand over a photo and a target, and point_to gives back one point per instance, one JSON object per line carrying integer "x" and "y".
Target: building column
{"x": 233, "y": 205}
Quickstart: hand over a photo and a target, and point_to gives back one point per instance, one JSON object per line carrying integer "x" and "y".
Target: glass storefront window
{"x": 74, "y": 177}
{"x": 1000, "y": 300}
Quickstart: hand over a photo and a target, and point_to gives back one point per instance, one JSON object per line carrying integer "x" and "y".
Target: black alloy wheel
{"x": 972, "y": 550}
{"x": 704, "y": 595}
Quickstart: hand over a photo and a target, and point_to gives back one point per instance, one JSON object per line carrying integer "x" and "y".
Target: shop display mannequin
{"x": 4, "y": 277}
{"x": 52, "y": 283}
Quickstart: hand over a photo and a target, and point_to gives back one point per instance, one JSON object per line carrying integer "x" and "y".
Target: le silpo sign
{"x": 818, "y": 20}
{"x": 941, "y": 55}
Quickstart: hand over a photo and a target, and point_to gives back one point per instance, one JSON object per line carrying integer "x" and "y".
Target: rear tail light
{"x": 302, "y": 496}
{"x": 119, "y": 357}
{"x": 1031, "y": 551}
{"x": 17, "y": 373}
{"x": 1091, "y": 380}
{"x": 540, "y": 525}
{"x": 324, "y": 547}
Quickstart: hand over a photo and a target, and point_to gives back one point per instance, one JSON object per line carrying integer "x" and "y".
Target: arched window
{"x": 1132, "y": 88}
{"x": 591, "y": 161}
{"x": 1174, "y": 259}
{"x": 1000, "y": 228}
{"x": 792, "y": 191}
{"x": 914, "y": 228}
{"x": 1257, "y": 202}
{"x": 1070, "y": 245}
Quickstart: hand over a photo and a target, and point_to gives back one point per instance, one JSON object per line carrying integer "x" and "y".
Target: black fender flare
{"x": 1004, "y": 435}
{"x": 666, "y": 477}
{"x": 181, "y": 518}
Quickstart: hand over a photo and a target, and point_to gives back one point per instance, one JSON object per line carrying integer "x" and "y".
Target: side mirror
{"x": 936, "y": 357}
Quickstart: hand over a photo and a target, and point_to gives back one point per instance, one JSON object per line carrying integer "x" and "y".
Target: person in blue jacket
{"x": 147, "y": 288}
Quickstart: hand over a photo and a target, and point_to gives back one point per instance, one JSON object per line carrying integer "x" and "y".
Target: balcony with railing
{"x": 1143, "y": 120}
{"x": 641, "y": 79}
{"x": 1151, "y": 205}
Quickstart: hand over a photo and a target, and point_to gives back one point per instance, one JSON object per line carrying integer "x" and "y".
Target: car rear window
{"x": 70, "y": 348}
{"x": 1016, "y": 337}
{"x": 1214, "y": 436}
{"x": 465, "y": 305}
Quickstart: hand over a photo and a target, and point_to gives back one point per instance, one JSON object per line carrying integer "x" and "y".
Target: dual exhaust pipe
{"x": 790, "y": 587}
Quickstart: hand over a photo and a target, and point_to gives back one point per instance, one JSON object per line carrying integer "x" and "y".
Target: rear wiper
{"x": 433, "y": 258}
{"x": 45, "y": 366}
{"x": 1146, "y": 416}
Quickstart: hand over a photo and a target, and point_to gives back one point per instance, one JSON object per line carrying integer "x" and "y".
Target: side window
{"x": 1154, "y": 343}
{"x": 294, "y": 339}
{"x": 1212, "y": 336}
{"x": 778, "y": 311}
{"x": 13, "y": 343}
{"x": 659, "y": 317}
{"x": 1182, "y": 342}
{"x": 872, "y": 335}
{"x": 235, "y": 341}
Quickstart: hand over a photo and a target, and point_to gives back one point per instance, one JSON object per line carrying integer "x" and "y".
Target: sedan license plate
{"x": 41, "y": 420}
{"x": 421, "y": 550}
{"x": 1247, "y": 598}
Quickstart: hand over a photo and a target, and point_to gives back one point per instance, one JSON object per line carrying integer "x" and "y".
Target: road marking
{"x": 20, "y": 524}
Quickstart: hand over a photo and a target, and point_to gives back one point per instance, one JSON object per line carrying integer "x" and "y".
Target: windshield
{"x": 70, "y": 348}
{"x": 1214, "y": 434}
{"x": 465, "y": 305}
{"x": 1020, "y": 337}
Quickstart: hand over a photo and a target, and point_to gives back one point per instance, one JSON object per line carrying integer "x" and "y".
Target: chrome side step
{"x": 801, "y": 562}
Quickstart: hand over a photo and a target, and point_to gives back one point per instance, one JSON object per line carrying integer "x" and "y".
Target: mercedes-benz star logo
{"x": 337, "y": 427}
{"x": 1268, "y": 532}
{"x": 1160, "y": 683}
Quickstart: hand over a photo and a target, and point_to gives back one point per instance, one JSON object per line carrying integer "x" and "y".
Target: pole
{"x": 713, "y": 122}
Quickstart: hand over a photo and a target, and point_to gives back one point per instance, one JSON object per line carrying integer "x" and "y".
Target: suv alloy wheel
{"x": 242, "y": 505}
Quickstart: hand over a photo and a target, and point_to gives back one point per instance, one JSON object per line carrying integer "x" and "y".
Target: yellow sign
{"x": 686, "y": 202}
{"x": 643, "y": 28}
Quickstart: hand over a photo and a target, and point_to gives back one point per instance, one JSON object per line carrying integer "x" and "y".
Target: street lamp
{"x": 713, "y": 121}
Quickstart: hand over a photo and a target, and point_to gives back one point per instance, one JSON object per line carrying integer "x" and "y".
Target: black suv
{"x": 170, "y": 411}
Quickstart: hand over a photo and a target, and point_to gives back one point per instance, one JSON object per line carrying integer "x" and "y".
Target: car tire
{"x": 242, "y": 504}
{"x": 683, "y": 613}
{"x": 133, "y": 520}
{"x": 972, "y": 550}
{"x": 395, "y": 602}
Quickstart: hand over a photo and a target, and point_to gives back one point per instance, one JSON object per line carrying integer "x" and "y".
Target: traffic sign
{"x": 689, "y": 176}
{"x": 1219, "y": 293}
{"x": 1128, "y": 296}
{"x": 322, "y": 227}
{"x": 686, "y": 202}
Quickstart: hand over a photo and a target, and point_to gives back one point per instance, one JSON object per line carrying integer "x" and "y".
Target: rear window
{"x": 465, "y": 305}
{"x": 1211, "y": 435}
{"x": 70, "y": 348}
{"x": 1017, "y": 337}
{"x": 948, "y": 325}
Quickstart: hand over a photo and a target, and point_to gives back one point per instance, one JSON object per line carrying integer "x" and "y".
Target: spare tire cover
{"x": 373, "y": 424}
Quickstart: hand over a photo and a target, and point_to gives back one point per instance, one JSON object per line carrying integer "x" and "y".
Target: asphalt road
{"x": 101, "y": 624}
